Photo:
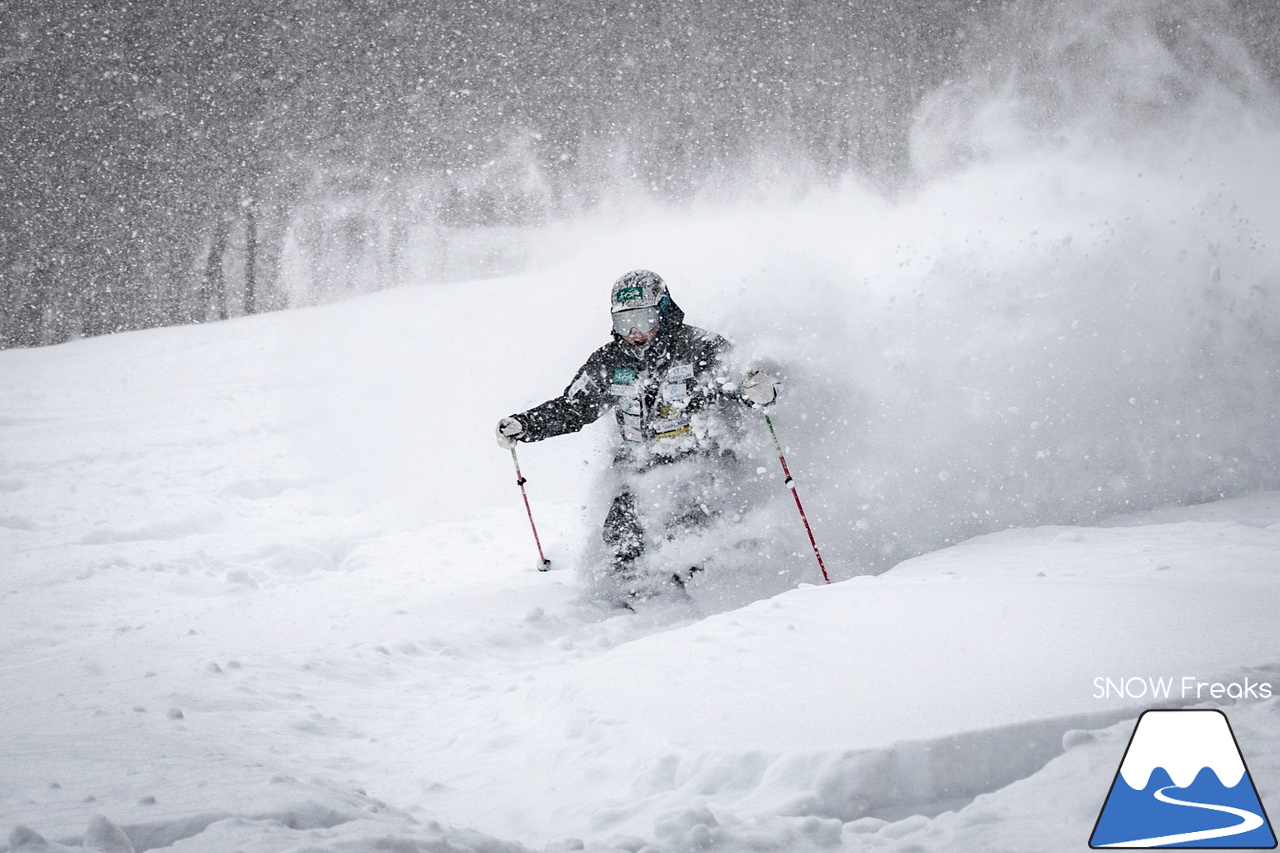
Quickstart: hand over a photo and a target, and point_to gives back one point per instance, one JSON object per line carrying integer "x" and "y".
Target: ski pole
{"x": 791, "y": 484}
{"x": 543, "y": 563}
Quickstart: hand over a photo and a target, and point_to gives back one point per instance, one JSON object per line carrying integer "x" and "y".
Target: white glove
{"x": 509, "y": 429}
{"x": 759, "y": 388}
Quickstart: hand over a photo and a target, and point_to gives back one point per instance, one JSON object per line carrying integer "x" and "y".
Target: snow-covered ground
{"x": 268, "y": 585}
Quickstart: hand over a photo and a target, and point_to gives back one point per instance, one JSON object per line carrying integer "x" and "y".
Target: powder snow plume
{"x": 1071, "y": 313}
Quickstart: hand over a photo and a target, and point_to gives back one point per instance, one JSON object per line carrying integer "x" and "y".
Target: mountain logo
{"x": 1183, "y": 783}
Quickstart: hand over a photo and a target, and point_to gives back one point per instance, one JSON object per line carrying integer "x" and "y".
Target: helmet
{"x": 639, "y": 302}
{"x": 637, "y": 289}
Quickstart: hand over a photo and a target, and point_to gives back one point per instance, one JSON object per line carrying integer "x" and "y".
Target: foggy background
{"x": 169, "y": 161}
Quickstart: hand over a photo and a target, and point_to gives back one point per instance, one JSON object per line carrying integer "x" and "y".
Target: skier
{"x": 676, "y": 409}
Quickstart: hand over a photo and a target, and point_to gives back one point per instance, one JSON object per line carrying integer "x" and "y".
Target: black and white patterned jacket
{"x": 670, "y": 398}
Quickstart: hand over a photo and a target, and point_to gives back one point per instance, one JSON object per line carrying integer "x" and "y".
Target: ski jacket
{"x": 670, "y": 398}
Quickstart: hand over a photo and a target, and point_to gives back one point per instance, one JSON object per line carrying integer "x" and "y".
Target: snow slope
{"x": 268, "y": 585}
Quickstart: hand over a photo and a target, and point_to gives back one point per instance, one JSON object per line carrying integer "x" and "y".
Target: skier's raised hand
{"x": 759, "y": 388}
{"x": 509, "y": 429}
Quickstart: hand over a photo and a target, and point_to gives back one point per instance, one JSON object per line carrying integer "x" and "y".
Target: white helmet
{"x": 637, "y": 289}
{"x": 638, "y": 302}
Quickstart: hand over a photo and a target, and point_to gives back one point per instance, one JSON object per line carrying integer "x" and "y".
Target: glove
{"x": 759, "y": 388}
{"x": 509, "y": 429}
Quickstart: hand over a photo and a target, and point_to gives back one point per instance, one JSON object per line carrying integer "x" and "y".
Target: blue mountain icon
{"x": 1183, "y": 783}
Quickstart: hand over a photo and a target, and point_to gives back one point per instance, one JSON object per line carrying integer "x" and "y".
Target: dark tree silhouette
{"x": 160, "y": 156}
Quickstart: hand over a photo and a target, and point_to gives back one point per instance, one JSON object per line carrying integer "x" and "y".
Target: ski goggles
{"x": 636, "y": 320}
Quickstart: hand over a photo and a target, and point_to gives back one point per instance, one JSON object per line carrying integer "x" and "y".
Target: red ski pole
{"x": 791, "y": 484}
{"x": 543, "y": 563}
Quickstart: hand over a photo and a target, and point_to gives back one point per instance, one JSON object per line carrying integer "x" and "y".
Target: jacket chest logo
{"x": 680, "y": 372}
{"x": 624, "y": 382}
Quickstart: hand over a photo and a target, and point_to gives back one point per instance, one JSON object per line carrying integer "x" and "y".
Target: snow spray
{"x": 1071, "y": 310}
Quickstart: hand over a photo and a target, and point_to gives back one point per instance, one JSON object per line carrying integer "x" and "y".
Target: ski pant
{"x": 623, "y": 534}
{"x": 662, "y": 503}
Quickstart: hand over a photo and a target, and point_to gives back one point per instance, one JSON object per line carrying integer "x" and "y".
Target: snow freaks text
{"x": 1186, "y": 687}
